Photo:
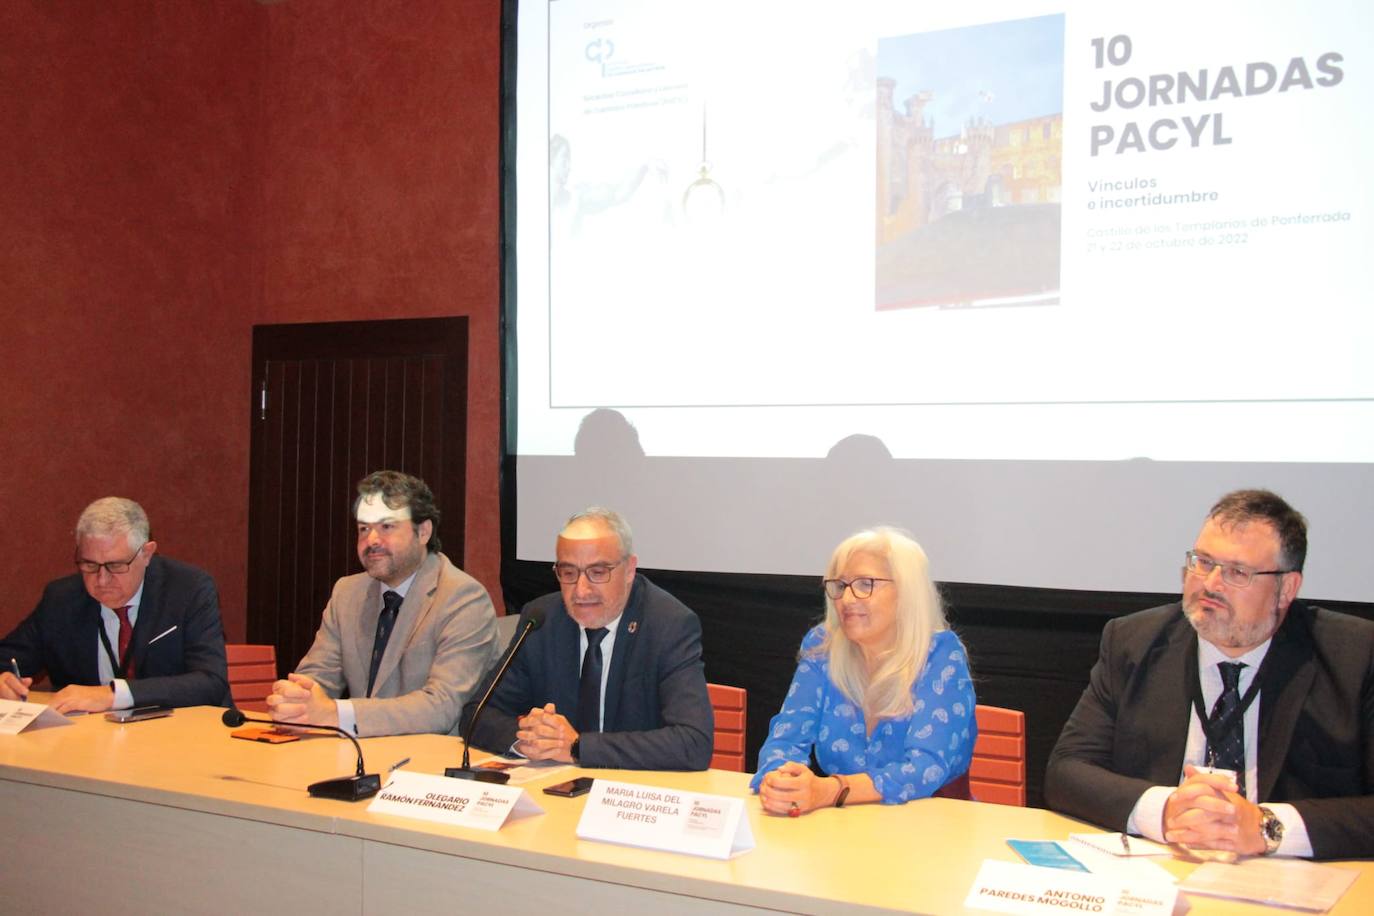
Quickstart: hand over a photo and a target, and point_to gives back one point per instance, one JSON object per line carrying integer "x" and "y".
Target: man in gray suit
{"x": 402, "y": 645}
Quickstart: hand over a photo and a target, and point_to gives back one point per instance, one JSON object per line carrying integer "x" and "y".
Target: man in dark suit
{"x": 614, "y": 676}
{"x": 130, "y": 628}
{"x": 1173, "y": 741}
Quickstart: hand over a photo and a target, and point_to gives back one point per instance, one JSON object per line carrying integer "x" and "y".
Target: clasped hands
{"x": 793, "y": 787}
{"x": 299, "y": 699}
{"x": 544, "y": 734}
{"x": 1207, "y": 812}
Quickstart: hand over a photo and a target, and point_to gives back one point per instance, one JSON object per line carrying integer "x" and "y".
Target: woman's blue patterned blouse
{"x": 906, "y": 758}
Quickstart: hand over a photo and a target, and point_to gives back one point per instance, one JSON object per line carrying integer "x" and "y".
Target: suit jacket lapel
{"x": 359, "y": 645}
{"x": 149, "y": 616}
{"x": 87, "y": 646}
{"x": 565, "y": 670}
{"x": 626, "y": 638}
{"x": 1176, "y": 656}
{"x": 1288, "y": 674}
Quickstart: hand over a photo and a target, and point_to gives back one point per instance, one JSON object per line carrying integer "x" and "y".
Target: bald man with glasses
{"x": 614, "y": 677}
{"x": 1239, "y": 721}
{"x": 128, "y": 628}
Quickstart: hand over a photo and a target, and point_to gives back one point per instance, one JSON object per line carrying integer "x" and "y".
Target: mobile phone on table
{"x": 572, "y": 788}
{"x": 138, "y": 713}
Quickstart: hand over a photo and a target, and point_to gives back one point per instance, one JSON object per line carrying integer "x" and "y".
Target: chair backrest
{"x": 252, "y": 670}
{"x": 729, "y": 705}
{"x": 505, "y": 629}
{"x": 998, "y": 773}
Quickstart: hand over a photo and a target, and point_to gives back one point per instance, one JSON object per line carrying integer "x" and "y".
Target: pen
{"x": 394, "y": 767}
{"x": 162, "y": 634}
{"x": 14, "y": 666}
{"x": 1126, "y": 844}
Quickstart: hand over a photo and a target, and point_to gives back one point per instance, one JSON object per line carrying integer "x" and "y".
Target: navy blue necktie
{"x": 1228, "y": 752}
{"x": 391, "y": 606}
{"x": 589, "y": 688}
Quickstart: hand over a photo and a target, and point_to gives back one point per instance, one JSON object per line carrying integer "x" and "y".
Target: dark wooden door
{"x": 333, "y": 402}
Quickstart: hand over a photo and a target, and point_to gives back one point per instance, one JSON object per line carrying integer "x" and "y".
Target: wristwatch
{"x": 576, "y": 751}
{"x": 1271, "y": 828}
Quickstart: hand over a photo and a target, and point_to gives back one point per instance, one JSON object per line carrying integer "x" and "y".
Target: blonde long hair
{"x": 886, "y": 692}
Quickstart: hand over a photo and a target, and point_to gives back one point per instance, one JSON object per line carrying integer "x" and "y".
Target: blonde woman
{"x": 882, "y": 691}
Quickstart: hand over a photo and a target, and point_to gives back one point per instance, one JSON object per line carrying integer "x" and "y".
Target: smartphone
{"x": 138, "y": 713}
{"x": 572, "y": 788}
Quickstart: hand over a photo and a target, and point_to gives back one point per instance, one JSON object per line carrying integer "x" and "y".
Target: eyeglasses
{"x": 1231, "y": 574}
{"x": 114, "y": 567}
{"x": 597, "y": 573}
{"x": 862, "y": 587}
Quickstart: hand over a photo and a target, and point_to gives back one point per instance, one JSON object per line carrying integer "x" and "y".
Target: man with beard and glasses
{"x": 1242, "y": 719}
{"x": 402, "y": 645}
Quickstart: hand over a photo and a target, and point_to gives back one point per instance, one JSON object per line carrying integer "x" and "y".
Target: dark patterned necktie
{"x": 1228, "y": 752}
{"x": 391, "y": 606}
{"x": 589, "y": 688}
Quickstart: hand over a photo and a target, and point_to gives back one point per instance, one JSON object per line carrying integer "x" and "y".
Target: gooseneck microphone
{"x": 533, "y": 621}
{"x": 346, "y": 788}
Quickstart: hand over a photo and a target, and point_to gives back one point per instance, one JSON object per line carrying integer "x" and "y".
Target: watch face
{"x": 1272, "y": 828}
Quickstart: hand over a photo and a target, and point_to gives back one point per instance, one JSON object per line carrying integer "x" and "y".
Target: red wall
{"x": 172, "y": 173}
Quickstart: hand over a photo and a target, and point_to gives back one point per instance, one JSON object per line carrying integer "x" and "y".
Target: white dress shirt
{"x": 123, "y": 697}
{"x": 607, "y": 649}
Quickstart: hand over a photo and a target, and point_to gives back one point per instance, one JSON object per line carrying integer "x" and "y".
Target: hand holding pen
{"x": 14, "y": 686}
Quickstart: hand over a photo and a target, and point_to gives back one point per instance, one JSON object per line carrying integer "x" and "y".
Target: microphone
{"x": 346, "y": 788}
{"x": 533, "y": 621}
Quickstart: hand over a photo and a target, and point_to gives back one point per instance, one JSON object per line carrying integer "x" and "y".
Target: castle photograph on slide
{"x": 970, "y": 131}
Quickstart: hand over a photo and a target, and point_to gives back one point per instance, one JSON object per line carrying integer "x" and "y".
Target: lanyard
{"x": 1215, "y": 731}
{"x": 121, "y": 671}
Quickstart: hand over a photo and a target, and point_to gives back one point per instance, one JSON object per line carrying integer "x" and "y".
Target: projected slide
{"x": 968, "y": 205}
{"x": 965, "y": 267}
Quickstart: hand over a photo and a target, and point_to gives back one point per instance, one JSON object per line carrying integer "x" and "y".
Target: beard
{"x": 1222, "y": 629}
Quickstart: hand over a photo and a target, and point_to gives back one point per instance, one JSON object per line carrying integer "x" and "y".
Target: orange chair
{"x": 998, "y": 771}
{"x": 729, "y": 705}
{"x": 252, "y": 669}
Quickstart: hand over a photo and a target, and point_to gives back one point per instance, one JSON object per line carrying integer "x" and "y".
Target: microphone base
{"x": 477, "y": 775}
{"x": 347, "y": 788}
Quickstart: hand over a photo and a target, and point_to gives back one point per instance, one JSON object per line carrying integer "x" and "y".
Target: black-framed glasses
{"x": 596, "y": 573}
{"x": 1231, "y": 573}
{"x": 114, "y": 567}
{"x": 862, "y": 587}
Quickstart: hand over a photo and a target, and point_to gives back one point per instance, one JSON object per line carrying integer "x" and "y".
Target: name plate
{"x": 460, "y": 802}
{"x": 715, "y": 826}
{"x": 1010, "y": 887}
{"x": 16, "y": 715}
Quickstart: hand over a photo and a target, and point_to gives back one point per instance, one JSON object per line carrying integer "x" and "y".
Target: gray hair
{"x": 113, "y": 516}
{"x": 612, "y": 520}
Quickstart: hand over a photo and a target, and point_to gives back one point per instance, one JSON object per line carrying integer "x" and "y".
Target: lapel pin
{"x": 634, "y": 625}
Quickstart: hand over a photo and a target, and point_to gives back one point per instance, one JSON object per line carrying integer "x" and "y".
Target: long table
{"x": 174, "y": 815}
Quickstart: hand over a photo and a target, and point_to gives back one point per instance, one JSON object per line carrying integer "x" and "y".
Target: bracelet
{"x": 844, "y": 790}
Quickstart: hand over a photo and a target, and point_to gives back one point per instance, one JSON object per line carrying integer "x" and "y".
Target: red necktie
{"x": 126, "y": 633}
